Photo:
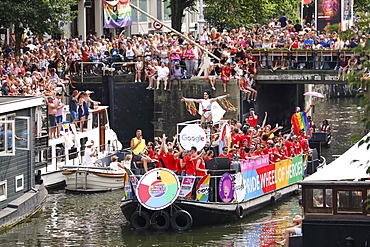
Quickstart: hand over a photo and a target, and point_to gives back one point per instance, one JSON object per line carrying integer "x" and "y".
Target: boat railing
{"x": 61, "y": 158}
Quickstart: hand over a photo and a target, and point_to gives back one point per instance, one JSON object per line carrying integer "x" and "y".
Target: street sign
{"x": 157, "y": 25}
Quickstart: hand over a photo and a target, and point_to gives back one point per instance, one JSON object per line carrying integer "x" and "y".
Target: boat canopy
{"x": 351, "y": 165}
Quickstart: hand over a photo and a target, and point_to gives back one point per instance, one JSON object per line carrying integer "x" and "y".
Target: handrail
{"x": 82, "y": 67}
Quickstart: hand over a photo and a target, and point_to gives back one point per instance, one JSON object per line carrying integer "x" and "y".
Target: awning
{"x": 351, "y": 165}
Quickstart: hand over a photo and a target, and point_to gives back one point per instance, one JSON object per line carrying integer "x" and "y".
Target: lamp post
{"x": 201, "y": 20}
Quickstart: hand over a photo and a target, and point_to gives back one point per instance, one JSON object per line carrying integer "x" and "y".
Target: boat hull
{"x": 211, "y": 213}
{"x": 83, "y": 179}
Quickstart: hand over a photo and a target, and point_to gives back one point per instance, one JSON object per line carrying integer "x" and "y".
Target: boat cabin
{"x": 21, "y": 194}
{"x": 336, "y": 213}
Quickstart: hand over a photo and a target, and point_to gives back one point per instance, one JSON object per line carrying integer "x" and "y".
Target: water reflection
{"x": 96, "y": 219}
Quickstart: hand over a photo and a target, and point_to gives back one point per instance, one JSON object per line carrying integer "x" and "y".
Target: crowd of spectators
{"x": 30, "y": 73}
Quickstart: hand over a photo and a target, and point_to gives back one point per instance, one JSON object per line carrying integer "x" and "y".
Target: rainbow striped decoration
{"x": 190, "y": 106}
{"x": 227, "y": 105}
{"x": 203, "y": 188}
{"x": 300, "y": 122}
{"x": 117, "y": 13}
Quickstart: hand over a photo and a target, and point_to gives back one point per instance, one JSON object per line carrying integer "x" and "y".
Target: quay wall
{"x": 156, "y": 112}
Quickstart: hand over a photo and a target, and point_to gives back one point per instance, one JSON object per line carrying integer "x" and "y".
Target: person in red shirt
{"x": 200, "y": 166}
{"x": 297, "y": 147}
{"x": 252, "y": 120}
{"x": 225, "y": 75}
{"x": 305, "y": 146}
{"x": 235, "y": 137}
{"x": 167, "y": 154}
{"x": 210, "y": 155}
{"x": 225, "y": 153}
{"x": 189, "y": 161}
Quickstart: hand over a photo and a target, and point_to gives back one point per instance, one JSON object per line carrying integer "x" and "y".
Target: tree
{"x": 38, "y": 17}
{"x": 221, "y": 14}
{"x": 361, "y": 78}
{"x": 177, "y": 11}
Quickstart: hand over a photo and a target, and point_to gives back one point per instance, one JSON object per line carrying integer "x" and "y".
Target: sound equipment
{"x": 319, "y": 137}
{"x": 218, "y": 163}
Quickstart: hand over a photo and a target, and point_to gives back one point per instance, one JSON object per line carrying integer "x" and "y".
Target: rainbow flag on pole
{"x": 300, "y": 122}
{"x": 117, "y": 13}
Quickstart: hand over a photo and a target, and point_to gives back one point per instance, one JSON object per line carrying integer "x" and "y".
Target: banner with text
{"x": 260, "y": 177}
{"x": 117, "y": 13}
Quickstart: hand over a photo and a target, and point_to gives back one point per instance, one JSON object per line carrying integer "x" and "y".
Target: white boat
{"x": 93, "y": 179}
{"x": 68, "y": 149}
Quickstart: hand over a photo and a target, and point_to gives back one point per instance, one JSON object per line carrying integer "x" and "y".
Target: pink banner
{"x": 248, "y": 165}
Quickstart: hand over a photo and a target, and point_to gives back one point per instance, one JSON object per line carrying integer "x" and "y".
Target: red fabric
{"x": 202, "y": 165}
{"x": 252, "y": 120}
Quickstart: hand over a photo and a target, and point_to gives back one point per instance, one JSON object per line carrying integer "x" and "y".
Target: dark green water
{"x": 96, "y": 220}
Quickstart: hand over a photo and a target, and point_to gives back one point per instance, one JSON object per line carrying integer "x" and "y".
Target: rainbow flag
{"x": 117, "y": 13}
{"x": 300, "y": 122}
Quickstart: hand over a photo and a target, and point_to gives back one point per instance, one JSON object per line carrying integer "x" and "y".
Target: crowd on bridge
{"x": 153, "y": 57}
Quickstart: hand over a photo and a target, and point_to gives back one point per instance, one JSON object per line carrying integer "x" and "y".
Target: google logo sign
{"x": 192, "y": 135}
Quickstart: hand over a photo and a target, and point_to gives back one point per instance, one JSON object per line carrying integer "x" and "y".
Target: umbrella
{"x": 315, "y": 94}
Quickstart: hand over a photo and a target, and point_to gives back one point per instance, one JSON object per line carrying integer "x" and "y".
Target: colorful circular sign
{"x": 158, "y": 188}
{"x": 157, "y": 25}
{"x": 226, "y": 187}
{"x": 192, "y": 135}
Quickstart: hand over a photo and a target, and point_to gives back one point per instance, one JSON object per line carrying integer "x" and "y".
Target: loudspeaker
{"x": 218, "y": 163}
{"x": 319, "y": 137}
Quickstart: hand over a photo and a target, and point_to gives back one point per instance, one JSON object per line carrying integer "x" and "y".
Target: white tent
{"x": 351, "y": 165}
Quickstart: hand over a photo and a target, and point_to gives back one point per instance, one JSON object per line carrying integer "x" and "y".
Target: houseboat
{"x": 336, "y": 201}
{"x": 22, "y": 194}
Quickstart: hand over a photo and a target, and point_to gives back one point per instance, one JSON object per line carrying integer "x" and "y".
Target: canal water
{"x": 96, "y": 220}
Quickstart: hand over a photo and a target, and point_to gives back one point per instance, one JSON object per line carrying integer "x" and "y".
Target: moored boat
{"x": 68, "y": 149}
{"x": 95, "y": 178}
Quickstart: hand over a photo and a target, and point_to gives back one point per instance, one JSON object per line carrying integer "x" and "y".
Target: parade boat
{"x": 68, "y": 149}
{"x": 161, "y": 199}
{"x": 95, "y": 178}
{"x": 21, "y": 195}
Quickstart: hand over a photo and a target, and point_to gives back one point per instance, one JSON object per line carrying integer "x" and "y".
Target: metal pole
{"x": 173, "y": 30}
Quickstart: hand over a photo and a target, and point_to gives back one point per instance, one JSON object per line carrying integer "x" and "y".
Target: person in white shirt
{"x": 163, "y": 72}
{"x": 90, "y": 154}
{"x": 115, "y": 165}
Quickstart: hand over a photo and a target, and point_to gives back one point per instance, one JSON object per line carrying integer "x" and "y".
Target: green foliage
{"x": 37, "y": 16}
{"x": 177, "y": 11}
{"x": 361, "y": 78}
{"x": 250, "y": 13}
{"x": 333, "y": 28}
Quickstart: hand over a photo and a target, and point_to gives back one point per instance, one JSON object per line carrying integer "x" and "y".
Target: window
{"x": 143, "y": 6}
{"x": 6, "y": 137}
{"x": 95, "y": 122}
{"x": 349, "y": 201}
{"x": 19, "y": 183}
{"x": 159, "y": 9}
{"x": 22, "y": 131}
{"x": 41, "y": 121}
{"x": 319, "y": 201}
{"x": 3, "y": 191}
{"x": 166, "y": 10}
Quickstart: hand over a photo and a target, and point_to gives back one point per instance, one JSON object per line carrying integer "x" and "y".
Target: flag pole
{"x": 173, "y": 30}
